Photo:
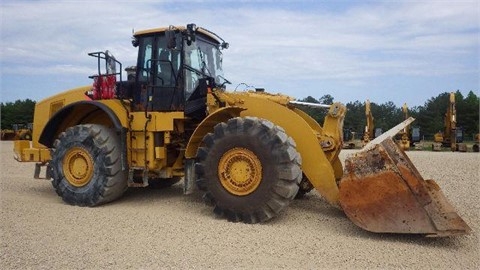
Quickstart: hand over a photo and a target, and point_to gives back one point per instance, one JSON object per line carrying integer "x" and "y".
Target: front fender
{"x": 207, "y": 125}
{"x": 315, "y": 163}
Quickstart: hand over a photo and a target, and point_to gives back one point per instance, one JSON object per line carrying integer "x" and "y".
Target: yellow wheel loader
{"x": 250, "y": 153}
{"x": 18, "y": 132}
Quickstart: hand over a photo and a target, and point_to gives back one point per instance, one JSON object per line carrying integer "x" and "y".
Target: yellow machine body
{"x": 319, "y": 146}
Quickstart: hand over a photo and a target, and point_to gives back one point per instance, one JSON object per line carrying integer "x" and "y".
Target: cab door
{"x": 157, "y": 80}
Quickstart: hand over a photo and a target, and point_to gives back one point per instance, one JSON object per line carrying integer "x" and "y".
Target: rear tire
{"x": 249, "y": 169}
{"x": 86, "y": 166}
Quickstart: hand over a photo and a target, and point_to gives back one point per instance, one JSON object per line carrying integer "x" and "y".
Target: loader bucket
{"x": 382, "y": 191}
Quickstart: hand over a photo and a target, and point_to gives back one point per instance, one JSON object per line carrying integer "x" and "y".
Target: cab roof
{"x": 181, "y": 28}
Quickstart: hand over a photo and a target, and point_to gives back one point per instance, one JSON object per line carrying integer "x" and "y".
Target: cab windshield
{"x": 203, "y": 58}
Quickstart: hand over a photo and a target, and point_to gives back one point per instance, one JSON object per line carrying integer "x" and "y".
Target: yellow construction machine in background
{"x": 18, "y": 132}
{"x": 368, "y": 134}
{"x": 476, "y": 143}
{"x": 450, "y": 136}
{"x": 404, "y": 141}
{"x": 475, "y": 146}
{"x": 250, "y": 153}
{"x": 350, "y": 140}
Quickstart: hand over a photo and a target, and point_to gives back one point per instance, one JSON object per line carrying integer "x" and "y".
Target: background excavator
{"x": 404, "y": 135}
{"x": 452, "y": 136}
{"x": 368, "y": 134}
{"x": 350, "y": 139}
{"x": 250, "y": 153}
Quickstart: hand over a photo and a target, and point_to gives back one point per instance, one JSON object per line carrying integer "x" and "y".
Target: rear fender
{"x": 79, "y": 113}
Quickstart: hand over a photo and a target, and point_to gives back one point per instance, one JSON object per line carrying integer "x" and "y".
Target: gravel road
{"x": 153, "y": 229}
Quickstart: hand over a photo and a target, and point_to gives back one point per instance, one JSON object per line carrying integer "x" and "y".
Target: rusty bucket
{"x": 382, "y": 191}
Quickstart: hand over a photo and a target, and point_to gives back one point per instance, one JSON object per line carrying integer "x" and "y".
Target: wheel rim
{"x": 240, "y": 171}
{"x": 78, "y": 167}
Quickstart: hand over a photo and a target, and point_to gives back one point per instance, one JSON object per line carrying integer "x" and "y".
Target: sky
{"x": 400, "y": 51}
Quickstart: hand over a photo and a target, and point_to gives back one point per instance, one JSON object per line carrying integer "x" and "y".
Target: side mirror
{"x": 135, "y": 42}
{"x": 191, "y": 28}
{"x": 171, "y": 39}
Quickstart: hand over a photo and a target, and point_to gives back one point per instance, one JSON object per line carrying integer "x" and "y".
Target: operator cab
{"x": 175, "y": 67}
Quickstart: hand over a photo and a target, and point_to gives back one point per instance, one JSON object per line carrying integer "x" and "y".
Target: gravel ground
{"x": 152, "y": 229}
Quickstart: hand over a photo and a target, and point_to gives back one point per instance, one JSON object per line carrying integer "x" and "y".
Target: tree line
{"x": 429, "y": 117}
{"x": 18, "y": 112}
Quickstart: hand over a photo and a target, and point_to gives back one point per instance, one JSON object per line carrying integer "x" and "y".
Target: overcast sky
{"x": 400, "y": 51}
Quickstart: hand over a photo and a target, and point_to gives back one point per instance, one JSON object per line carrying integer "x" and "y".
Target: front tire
{"x": 86, "y": 165}
{"x": 249, "y": 169}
